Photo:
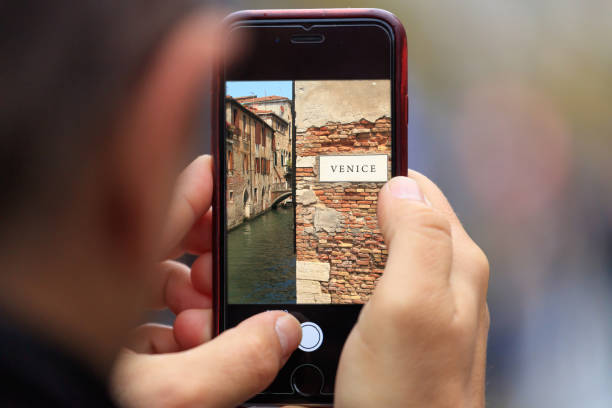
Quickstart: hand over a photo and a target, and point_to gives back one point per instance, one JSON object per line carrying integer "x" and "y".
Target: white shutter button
{"x": 312, "y": 337}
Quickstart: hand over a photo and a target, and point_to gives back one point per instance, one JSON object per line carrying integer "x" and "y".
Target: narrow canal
{"x": 261, "y": 261}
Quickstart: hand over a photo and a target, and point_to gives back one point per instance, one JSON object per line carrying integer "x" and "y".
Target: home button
{"x": 307, "y": 380}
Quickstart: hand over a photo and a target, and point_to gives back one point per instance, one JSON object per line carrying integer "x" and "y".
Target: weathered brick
{"x": 355, "y": 250}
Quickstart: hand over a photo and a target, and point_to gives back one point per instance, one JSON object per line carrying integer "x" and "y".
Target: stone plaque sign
{"x": 353, "y": 168}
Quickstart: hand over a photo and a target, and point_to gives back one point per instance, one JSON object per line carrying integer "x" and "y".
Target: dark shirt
{"x": 34, "y": 373}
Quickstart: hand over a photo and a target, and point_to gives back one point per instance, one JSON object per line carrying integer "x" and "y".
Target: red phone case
{"x": 400, "y": 95}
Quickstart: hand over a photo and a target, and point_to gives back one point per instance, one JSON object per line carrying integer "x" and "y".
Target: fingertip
{"x": 201, "y": 274}
{"x": 204, "y": 164}
{"x": 286, "y": 329}
{"x": 199, "y": 239}
{"x": 289, "y": 333}
{"x": 181, "y": 295}
{"x": 405, "y": 188}
{"x": 397, "y": 196}
{"x": 193, "y": 327}
{"x": 207, "y": 159}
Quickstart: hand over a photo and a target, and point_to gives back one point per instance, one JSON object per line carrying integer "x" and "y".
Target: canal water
{"x": 261, "y": 259}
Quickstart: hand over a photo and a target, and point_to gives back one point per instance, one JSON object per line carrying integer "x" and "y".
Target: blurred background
{"x": 511, "y": 114}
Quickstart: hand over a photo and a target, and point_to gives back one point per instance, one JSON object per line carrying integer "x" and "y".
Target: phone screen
{"x": 304, "y": 163}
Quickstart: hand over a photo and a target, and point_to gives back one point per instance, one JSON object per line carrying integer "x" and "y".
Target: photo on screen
{"x": 304, "y": 163}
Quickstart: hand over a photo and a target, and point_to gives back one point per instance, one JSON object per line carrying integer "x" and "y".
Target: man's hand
{"x": 421, "y": 339}
{"x": 178, "y": 366}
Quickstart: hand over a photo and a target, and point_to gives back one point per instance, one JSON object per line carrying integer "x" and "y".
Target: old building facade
{"x": 252, "y": 143}
{"x": 282, "y": 146}
{"x": 340, "y": 251}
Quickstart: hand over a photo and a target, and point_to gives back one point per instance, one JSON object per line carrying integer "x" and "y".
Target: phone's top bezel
{"x": 339, "y": 58}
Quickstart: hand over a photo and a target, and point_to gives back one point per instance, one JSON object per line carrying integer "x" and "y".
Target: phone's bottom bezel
{"x": 335, "y": 321}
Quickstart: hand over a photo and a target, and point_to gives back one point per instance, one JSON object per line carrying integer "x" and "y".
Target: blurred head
{"x": 99, "y": 104}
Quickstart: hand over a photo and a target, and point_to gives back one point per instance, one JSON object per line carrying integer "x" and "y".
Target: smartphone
{"x": 310, "y": 122}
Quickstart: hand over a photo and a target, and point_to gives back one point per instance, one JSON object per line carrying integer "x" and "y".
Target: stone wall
{"x": 340, "y": 251}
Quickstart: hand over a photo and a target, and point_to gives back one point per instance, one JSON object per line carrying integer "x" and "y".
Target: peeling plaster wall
{"x": 317, "y": 102}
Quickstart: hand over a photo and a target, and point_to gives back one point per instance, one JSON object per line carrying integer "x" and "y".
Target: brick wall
{"x": 340, "y": 251}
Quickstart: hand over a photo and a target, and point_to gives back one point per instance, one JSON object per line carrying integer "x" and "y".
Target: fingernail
{"x": 405, "y": 188}
{"x": 286, "y": 331}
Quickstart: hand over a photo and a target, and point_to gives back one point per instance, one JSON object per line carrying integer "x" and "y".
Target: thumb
{"x": 242, "y": 361}
{"x": 418, "y": 237}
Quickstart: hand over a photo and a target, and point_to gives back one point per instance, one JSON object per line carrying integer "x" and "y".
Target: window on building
{"x": 257, "y": 165}
{"x": 255, "y": 195}
{"x": 275, "y": 159}
{"x": 257, "y": 133}
{"x": 235, "y": 117}
{"x": 230, "y": 160}
{"x": 231, "y": 196}
{"x": 244, "y": 123}
{"x": 245, "y": 196}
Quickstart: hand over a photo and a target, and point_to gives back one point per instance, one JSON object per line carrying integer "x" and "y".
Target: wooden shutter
{"x": 258, "y": 133}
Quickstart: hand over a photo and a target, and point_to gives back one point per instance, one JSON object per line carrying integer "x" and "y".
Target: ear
{"x": 154, "y": 133}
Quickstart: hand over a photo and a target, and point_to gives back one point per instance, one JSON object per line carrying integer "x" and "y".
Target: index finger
{"x": 191, "y": 200}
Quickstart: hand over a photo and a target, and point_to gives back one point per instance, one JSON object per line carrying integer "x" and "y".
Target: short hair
{"x": 66, "y": 69}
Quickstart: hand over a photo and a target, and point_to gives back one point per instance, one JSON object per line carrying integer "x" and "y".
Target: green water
{"x": 261, "y": 259}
